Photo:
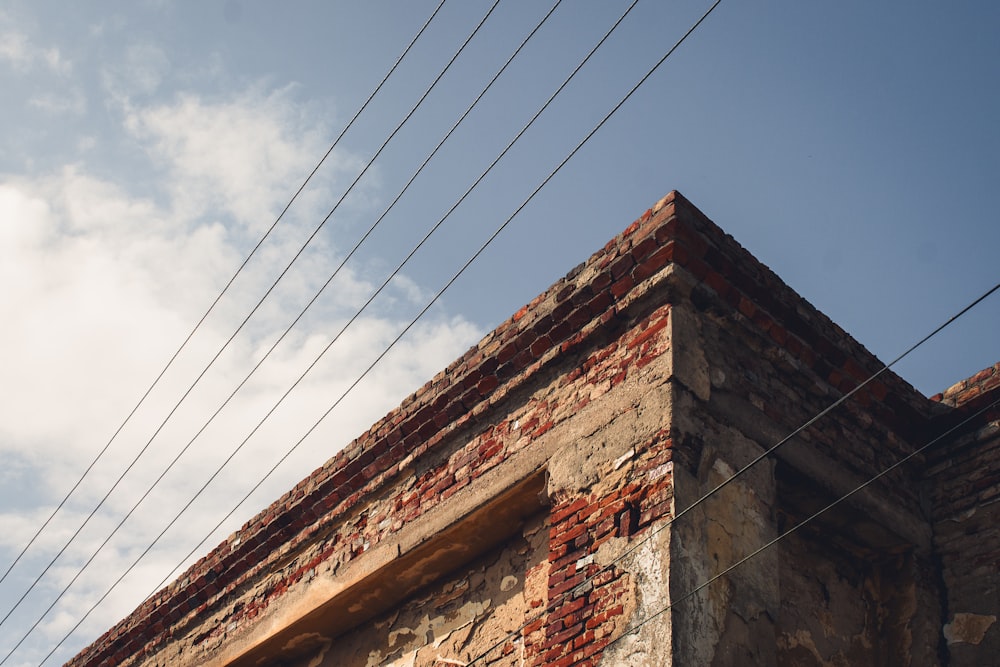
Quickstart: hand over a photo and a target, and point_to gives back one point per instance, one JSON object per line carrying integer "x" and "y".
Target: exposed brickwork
{"x": 482, "y": 603}
{"x": 964, "y": 483}
{"x": 571, "y": 315}
{"x": 973, "y": 389}
{"x": 605, "y": 330}
{"x": 586, "y": 606}
{"x": 598, "y": 372}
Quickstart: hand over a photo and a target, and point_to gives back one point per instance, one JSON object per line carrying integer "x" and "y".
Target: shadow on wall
{"x": 453, "y": 620}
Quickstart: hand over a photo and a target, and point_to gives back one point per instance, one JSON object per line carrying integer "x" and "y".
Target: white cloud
{"x": 55, "y": 61}
{"x": 18, "y": 51}
{"x": 15, "y": 50}
{"x": 242, "y": 157}
{"x": 88, "y": 289}
{"x": 102, "y": 284}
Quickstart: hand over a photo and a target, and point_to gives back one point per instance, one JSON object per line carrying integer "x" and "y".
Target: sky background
{"x": 145, "y": 147}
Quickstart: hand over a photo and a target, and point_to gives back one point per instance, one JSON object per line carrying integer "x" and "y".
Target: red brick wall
{"x": 586, "y": 604}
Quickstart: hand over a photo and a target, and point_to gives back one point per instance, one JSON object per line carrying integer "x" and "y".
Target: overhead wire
{"x": 729, "y": 480}
{"x": 348, "y": 256}
{"x": 218, "y": 298}
{"x": 315, "y": 297}
{"x": 653, "y": 532}
{"x": 246, "y": 319}
{"x": 488, "y": 242}
{"x": 375, "y": 294}
{"x": 385, "y": 143}
{"x": 767, "y": 545}
{"x": 773, "y": 448}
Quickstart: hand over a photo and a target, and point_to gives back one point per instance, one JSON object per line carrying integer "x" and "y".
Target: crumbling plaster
{"x": 520, "y": 508}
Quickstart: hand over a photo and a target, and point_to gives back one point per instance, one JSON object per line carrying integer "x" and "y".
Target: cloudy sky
{"x": 145, "y": 148}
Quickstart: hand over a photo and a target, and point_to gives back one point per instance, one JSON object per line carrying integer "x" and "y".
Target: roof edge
{"x": 590, "y": 299}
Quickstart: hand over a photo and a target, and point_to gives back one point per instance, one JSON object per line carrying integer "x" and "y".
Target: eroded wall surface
{"x": 578, "y": 376}
{"x": 567, "y": 493}
{"x": 457, "y": 618}
{"x": 850, "y": 589}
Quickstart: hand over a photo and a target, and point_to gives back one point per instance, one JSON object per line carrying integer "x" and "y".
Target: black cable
{"x": 447, "y": 285}
{"x": 811, "y": 518}
{"x": 666, "y": 524}
{"x": 812, "y": 421}
{"x": 454, "y": 278}
{"x": 215, "y": 303}
{"x": 225, "y": 345}
{"x": 301, "y": 250}
{"x": 315, "y": 297}
{"x": 367, "y": 303}
{"x": 327, "y": 283}
{"x": 261, "y": 361}
{"x": 370, "y": 300}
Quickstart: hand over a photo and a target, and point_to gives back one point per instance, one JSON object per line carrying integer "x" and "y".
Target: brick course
{"x": 606, "y": 324}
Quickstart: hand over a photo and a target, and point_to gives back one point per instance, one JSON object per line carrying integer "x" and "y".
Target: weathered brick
{"x": 453, "y": 430}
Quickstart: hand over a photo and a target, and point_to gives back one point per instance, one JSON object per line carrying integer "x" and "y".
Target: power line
{"x": 356, "y": 247}
{"x": 760, "y": 457}
{"x": 653, "y": 532}
{"x": 448, "y": 284}
{"x": 315, "y": 297}
{"x": 260, "y": 362}
{"x": 708, "y": 582}
{"x": 109, "y": 443}
{"x": 375, "y": 294}
{"x": 246, "y": 319}
{"x": 327, "y": 283}
{"x": 455, "y": 277}
{"x": 470, "y": 261}
{"x": 370, "y": 300}
{"x": 214, "y": 303}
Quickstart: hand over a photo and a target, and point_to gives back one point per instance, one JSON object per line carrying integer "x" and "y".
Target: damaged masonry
{"x": 517, "y": 509}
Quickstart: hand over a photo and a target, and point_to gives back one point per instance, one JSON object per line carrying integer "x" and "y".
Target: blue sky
{"x": 144, "y": 148}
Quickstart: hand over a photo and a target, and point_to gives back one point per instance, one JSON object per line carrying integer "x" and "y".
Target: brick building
{"x": 541, "y": 501}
